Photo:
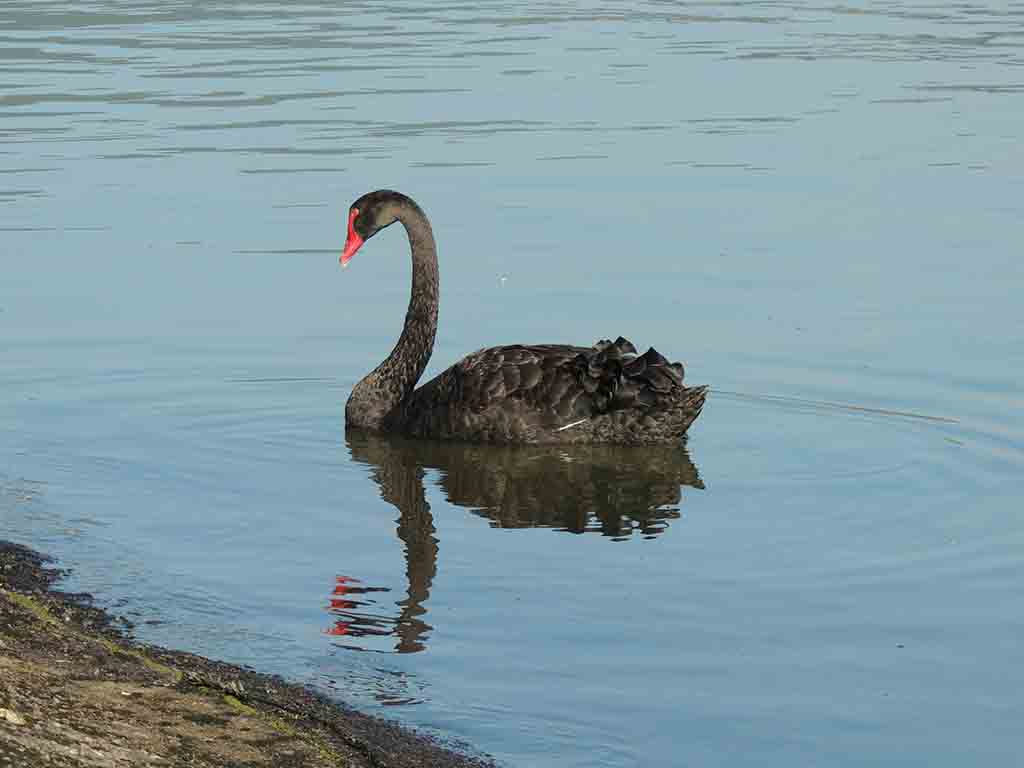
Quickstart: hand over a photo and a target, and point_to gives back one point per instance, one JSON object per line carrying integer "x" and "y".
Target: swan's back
{"x": 555, "y": 393}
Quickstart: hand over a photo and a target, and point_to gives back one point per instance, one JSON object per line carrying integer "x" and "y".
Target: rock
{"x": 11, "y": 716}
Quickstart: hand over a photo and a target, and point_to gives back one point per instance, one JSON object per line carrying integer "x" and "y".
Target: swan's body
{"x": 543, "y": 393}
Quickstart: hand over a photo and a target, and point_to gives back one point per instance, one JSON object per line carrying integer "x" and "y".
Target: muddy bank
{"x": 76, "y": 691}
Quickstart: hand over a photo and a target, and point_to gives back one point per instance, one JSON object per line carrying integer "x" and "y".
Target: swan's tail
{"x": 616, "y": 378}
{"x": 691, "y": 401}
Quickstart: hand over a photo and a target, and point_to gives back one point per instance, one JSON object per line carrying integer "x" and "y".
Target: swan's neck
{"x": 381, "y": 393}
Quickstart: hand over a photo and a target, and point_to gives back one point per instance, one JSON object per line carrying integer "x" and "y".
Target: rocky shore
{"x": 75, "y": 690}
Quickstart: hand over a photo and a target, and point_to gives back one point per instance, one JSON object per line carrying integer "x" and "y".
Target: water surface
{"x": 816, "y": 207}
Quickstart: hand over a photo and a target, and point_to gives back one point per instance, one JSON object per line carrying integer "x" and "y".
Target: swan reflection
{"x": 616, "y": 491}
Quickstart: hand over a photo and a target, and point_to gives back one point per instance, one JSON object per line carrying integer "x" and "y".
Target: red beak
{"x": 353, "y": 242}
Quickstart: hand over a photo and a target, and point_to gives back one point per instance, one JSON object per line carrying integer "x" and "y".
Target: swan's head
{"x": 369, "y": 215}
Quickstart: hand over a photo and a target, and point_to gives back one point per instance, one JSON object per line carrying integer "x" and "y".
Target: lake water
{"x": 817, "y": 207}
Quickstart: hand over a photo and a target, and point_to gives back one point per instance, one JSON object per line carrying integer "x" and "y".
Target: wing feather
{"x": 562, "y": 380}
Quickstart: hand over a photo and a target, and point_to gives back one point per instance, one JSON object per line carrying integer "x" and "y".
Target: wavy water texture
{"x": 816, "y": 206}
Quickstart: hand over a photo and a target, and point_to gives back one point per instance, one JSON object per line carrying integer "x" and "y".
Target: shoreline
{"x": 76, "y": 690}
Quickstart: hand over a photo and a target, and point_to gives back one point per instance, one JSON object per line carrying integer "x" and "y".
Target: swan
{"x": 520, "y": 393}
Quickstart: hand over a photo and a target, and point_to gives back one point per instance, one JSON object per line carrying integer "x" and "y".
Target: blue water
{"x": 816, "y": 208}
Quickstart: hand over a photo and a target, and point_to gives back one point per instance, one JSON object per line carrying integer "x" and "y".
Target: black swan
{"x": 522, "y": 393}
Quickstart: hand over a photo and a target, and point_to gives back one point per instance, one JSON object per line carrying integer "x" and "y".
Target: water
{"x": 816, "y": 207}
